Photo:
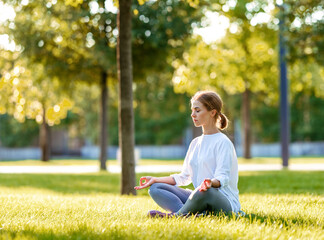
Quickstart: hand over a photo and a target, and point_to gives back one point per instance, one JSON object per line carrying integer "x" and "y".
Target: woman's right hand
{"x": 145, "y": 182}
{"x": 205, "y": 185}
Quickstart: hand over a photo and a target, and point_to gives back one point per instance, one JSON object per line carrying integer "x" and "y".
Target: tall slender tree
{"x": 125, "y": 78}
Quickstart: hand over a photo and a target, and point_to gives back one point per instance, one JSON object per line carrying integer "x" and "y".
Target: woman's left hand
{"x": 145, "y": 182}
{"x": 206, "y": 184}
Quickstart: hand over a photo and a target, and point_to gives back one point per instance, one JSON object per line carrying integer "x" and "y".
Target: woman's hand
{"x": 206, "y": 184}
{"x": 145, "y": 182}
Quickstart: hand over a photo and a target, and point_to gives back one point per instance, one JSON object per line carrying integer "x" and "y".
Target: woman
{"x": 210, "y": 164}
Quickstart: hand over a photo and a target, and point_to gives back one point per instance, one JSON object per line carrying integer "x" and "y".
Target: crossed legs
{"x": 210, "y": 201}
{"x": 169, "y": 197}
{"x": 182, "y": 201}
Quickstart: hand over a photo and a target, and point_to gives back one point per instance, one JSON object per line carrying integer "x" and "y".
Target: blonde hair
{"x": 211, "y": 101}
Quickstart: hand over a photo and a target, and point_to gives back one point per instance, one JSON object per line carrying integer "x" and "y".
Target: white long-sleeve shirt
{"x": 212, "y": 156}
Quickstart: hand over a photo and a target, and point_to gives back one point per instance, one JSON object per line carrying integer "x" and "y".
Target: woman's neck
{"x": 210, "y": 130}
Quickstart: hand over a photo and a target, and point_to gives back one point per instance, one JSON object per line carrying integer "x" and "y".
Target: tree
{"x": 72, "y": 44}
{"x": 161, "y": 116}
{"x": 160, "y": 46}
{"x": 159, "y": 31}
{"x": 125, "y": 78}
{"x": 36, "y": 99}
{"x": 243, "y": 63}
{"x": 252, "y": 31}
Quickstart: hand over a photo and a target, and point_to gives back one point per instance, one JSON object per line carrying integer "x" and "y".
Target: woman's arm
{"x": 148, "y": 181}
{"x": 225, "y": 158}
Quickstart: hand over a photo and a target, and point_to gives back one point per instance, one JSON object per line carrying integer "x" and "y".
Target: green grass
{"x": 79, "y": 161}
{"x": 279, "y": 204}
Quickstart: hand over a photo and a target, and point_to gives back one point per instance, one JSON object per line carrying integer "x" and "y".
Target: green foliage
{"x": 265, "y": 121}
{"x": 64, "y": 42}
{"x": 25, "y": 134}
{"x": 28, "y": 93}
{"x": 16, "y": 134}
{"x": 26, "y": 89}
{"x": 306, "y": 78}
{"x": 73, "y": 42}
{"x": 159, "y": 30}
{"x": 87, "y": 97}
{"x": 244, "y": 59}
{"x": 304, "y": 30}
{"x": 161, "y": 116}
{"x": 76, "y": 42}
{"x": 307, "y": 118}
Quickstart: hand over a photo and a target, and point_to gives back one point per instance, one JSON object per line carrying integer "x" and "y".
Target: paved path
{"x": 150, "y": 168}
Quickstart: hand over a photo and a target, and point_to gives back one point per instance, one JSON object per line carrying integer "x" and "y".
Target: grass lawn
{"x": 279, "y": 205}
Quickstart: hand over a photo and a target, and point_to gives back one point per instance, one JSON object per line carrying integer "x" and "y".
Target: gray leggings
{"x": 184, "y": 201}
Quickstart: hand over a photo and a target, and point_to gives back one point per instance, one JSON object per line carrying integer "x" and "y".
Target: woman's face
{"x": 200, "y": 115}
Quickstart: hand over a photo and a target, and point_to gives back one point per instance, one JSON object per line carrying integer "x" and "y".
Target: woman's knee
{"x": 155, "y": 188}
{"x": 197, "y": 195}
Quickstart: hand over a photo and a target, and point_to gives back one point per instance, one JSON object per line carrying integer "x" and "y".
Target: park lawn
{"x": 279, "y": 205}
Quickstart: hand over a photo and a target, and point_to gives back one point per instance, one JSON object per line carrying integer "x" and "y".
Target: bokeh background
{"x": 57, "y": 57}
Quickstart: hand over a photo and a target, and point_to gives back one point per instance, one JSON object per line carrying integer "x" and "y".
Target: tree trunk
{"x": 103, "y": 121}
{"x": 125, "y": 110}
{"x": 246, "y": 124}
{"x": 44, "y": 139}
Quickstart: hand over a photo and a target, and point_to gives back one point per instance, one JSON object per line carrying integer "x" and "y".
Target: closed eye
{"x": 196, "y": 109}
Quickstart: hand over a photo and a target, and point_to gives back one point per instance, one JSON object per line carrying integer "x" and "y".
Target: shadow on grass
{"x": 274, "y": 182}
{"x": 282, "y": 182}
{"x": 83, "y": 232}
{"x": 94, "y": 183}
{"x": 87, "y": 233}
{"x": 64, "y": 183}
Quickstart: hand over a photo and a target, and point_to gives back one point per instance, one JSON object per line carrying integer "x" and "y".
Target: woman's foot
{"x": 158, "y": 214}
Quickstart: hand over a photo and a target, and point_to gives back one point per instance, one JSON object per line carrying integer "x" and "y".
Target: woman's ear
{"x": 213, "y": 113}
